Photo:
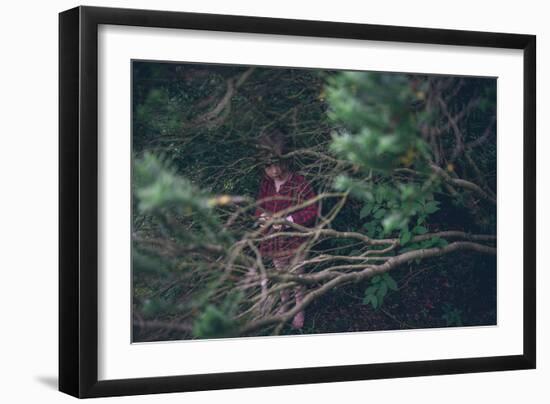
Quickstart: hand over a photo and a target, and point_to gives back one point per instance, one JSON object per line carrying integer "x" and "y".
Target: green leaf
{"x": 371, "y": 290}
{"x": 416, "y": 206}
{"x": 376, "y": 279}
{"x": 443, "y": 243}
{"x": 420, "y": 230}
{"x": 371, "y": 299}
{"x": 382, "y": 291}
{"x": 371, "y": 228}
{"x": 380, "y": 194}
{"x": 379, "y": 213}
{"x": 429, "y": 242}
{"x": 365, "y": 211}
{"x": 432, "y": 207}
{"x": 390, "y": 281}
{"x": 367, "y": 299}
{"x": 405, "y": 236}
{"x": 374, "y": 301}
{"x": 380, "y": 300}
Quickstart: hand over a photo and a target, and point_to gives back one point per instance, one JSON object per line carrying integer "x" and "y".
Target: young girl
{"x": 281, "y": 189}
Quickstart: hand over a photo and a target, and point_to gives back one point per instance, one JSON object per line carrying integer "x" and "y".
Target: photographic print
{"x": 270, "y": 201}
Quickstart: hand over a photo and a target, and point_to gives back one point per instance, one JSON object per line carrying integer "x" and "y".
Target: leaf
{"x": 420, "y": 230}
{"x": 382, "y": 291}
{"x": 367, "y": 299}
{"x": 429, "y": 242}
{"x": 416, "y": 206}
{"x": 371, "y": 228}
{"x": 374, "y": 301}
{"x": 380, "y": 300}
{"x": 371, "y": 290}
{"x": 390, "y": 281}
{"x": 431, "y": 207}
{"x": 365, "y": 211}
{"x": 405, "y": 236}
{"x": 380, "y": 194}
{"x": 435, "y": 240}
{"x": 379, "y": 213}
{"x": 371, "y": 299}
{"x": 376, "y": 279}
{"x": 443, "y": 243}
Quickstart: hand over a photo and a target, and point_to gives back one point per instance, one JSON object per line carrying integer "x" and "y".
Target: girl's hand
{"x": 262, "y": 219}
{"x": 282, "y": 225}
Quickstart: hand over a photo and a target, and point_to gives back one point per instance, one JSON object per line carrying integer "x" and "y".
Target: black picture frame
{"x": 78, "y": 200}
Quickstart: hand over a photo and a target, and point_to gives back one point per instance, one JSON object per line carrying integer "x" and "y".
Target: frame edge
{"x": 69, "y": 81}
{"x": 529, "y": 208}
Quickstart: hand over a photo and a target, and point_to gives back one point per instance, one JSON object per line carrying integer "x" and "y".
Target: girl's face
{"x": 275, "y": 171}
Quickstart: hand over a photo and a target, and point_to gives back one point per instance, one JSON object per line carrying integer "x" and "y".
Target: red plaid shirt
{"x": 295, "y": 191}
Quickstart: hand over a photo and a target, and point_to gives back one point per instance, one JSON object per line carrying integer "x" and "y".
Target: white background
{"x": 28, "y": 200}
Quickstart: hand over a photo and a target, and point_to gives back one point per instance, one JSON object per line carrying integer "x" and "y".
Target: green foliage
{"x": 380, "y": 130}
{"x": 213, "y": 323}
{"x": 148, "y": 264}
{"x": 388, "y": 208}
{"x": 359, "y": 189}
{"x": 161, "y": 192}
{"x": 380, "y": 134}
{"x": 218, "y": 322}
{"x": 378, "y": 289}
{"x": 377, "y": 151}
{"x": 158, "y": 102}
{"x": 158, "y": 187}
{"x": 154, "y": 306}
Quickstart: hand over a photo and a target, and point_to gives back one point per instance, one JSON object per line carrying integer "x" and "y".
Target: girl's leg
{"x": 283, "y": 263}
{"x": 298, "y": 320}
{"x": 280, "y": 264}
{"x": 248, "y": 279}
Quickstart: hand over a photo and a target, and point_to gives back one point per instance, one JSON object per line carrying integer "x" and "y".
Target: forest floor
{"x": 428, "y": 297}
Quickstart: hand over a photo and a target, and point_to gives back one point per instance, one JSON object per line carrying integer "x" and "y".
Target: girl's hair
{"x": 273, "y": 146}
{"x": 273, "y": 142}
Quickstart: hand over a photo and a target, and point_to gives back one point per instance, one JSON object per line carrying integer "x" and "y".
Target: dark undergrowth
{"x": 438, "y": 294}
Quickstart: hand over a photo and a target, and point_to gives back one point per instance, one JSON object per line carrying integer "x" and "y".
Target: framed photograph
{"x": 250, "y": 201}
